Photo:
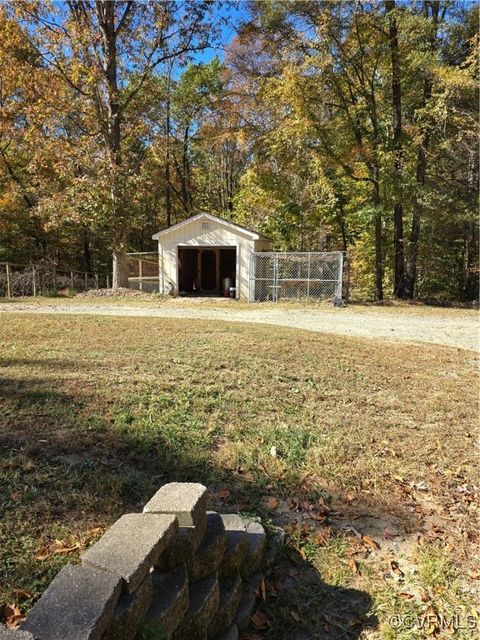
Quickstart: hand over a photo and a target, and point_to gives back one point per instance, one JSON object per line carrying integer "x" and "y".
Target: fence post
{"x": 97, "y": 286}
{"x": 34, "y": 282}
{"x": 275, "y": 278}
{"x": 86, "y": 280}
{"x": 345, "y": 276}
{"x": 55, "y": 277}
{"x": 140, "y": 274}
{"x": 309, "y": 267}
{"x": 108, "y": 281}
{"x": 9, "y": 286}
{"x": 72, "y": 281}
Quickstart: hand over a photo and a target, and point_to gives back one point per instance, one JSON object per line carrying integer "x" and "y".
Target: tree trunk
{"x": 106, "y": 17}
{"x": 378, "y": 237}
{"x": 398, "y": 240}
{"x": 417, "y": 213}
{"x": 87, "y": 250}
{"x": 168, "y": 191}
{"x": 120, "y": 262}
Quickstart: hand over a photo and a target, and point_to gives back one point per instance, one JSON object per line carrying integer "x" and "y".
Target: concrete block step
{"x": 77, "y": 605}
{"x": 210, "y": 552}
{"x": 14, "y": 634}
{"x": 237, "y": 544}
{"x": 181, "y": 549}
{"x": 131, "y": 608}
{"x": 187, "y": 500}
{"x": 203, "y": 604}
{"x": 132, "y": 546}
{"x": 230, "y": 595}
{"x": 257, "y": 541}
{"x": 247, "y": 603}
{"x": 170, "y": 598}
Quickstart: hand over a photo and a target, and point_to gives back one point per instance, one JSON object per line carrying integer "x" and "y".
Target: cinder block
{"x": 183, "y": 546}
{"x": 187, "y": 500}
{"x": 256, "y": 547}
{"x": 130, "y": 609}
{"x": 230, "y": 590}
{"x": 247, "y": 603}
{"x": 210, "y": 552}
{"x": 132, "y": 546}
{"x": 14, "y": 634}
{"x": 170, "y": 598}
{"x": 237, "y": 545}
{"x": 77, "y": 605}
{"x": 231, "y": 634}
{"x": 203, "y": 604}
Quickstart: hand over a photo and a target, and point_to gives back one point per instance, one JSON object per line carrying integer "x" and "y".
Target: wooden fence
{"x": 39, "y": 279}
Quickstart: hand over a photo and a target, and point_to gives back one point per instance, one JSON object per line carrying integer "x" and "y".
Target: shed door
{"x": 208, "y": 270}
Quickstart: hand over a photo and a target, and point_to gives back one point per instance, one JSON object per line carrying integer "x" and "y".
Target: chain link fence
{"x": 42, "y": 279}
{"x": 295, "y": 275}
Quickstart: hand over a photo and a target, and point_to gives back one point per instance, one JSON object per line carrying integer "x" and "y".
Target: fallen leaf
{"x": 272, "y": 503}
{"x": 323, "y": 536}
{"x": 15, "y": 495}
{"x": 352, "y": 563}
{"x": 370, "y": 542}
{"x": 262, "y": 590}
{"x": 397, "y": 572}
{"x": 296, "y": 616}
{"x": 350, "y": 497}
{"x": 43, "y": 553}
{"x": 223, "y": 494}
{"x": 21, "y": 593}
{"x": 259, "y": 620}
{"x": 61, "y": 548}
{"x": 11, "y": 616}
{"x": 354, "y": 622}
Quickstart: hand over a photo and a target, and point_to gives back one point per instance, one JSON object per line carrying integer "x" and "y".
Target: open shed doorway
{"x": 207, "y": 271}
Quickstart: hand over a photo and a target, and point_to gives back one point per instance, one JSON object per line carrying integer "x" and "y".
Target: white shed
{"x": 206, "y": 255}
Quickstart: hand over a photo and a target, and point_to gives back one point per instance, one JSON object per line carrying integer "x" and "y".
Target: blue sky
{"x": 234, "y": 14}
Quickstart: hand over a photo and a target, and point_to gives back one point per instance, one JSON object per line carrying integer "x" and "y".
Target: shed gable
{"x": 202, "y": 225}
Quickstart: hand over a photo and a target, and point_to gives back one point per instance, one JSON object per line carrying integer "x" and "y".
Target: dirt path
{"x": 461, "y": 331}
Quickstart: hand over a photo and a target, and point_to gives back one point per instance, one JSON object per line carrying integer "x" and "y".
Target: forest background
{"x": 325, "y": 125}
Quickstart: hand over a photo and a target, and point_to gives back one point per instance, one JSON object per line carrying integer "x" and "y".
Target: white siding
{"x": 194, "y": 235}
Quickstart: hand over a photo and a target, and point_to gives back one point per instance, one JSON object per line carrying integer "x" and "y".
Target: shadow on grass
{"x": 66, "y": 474}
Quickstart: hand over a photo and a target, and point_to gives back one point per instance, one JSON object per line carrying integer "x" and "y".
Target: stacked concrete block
{"x": 14, "y": 634}
{"x": 176, "y": 567}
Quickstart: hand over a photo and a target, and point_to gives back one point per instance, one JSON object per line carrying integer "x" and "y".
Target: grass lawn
{"x": 362, "y": 452}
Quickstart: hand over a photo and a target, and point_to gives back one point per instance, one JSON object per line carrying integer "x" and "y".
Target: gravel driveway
{"x": 459, "y": 330}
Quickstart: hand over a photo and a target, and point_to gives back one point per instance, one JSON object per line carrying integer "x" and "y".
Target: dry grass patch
{"x": 358, "y": 449}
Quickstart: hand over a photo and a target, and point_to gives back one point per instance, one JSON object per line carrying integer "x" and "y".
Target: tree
{"x": 398, "y": 242}
{"x": 94, "y": 48}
